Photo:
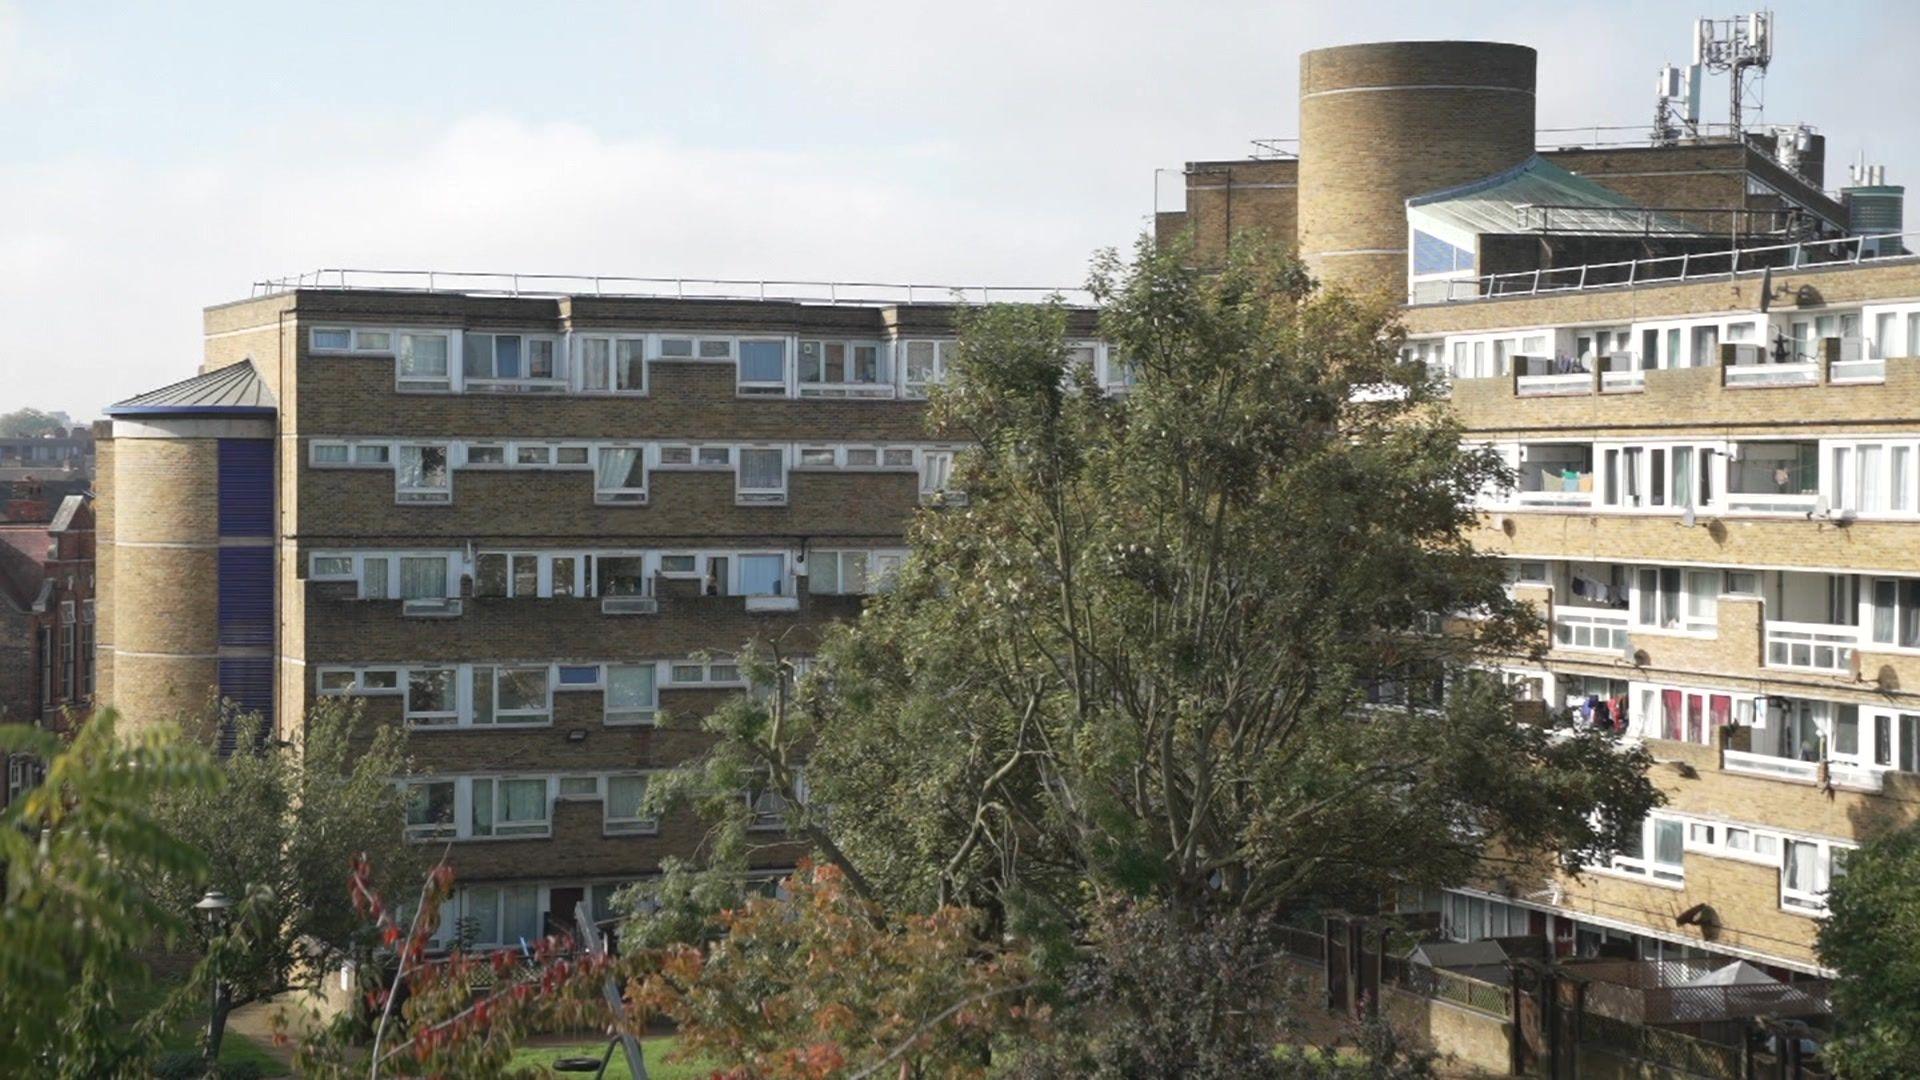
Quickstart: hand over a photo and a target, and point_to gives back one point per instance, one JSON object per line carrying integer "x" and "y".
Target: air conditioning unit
{"x": 629, "y": 605}
{"x": 431, "y": 608}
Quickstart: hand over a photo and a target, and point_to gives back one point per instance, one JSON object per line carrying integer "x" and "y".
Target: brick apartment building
{"x": 530, "y": 528}
{"x": 1716, "y": 510}
{"x": 46, "y": 620}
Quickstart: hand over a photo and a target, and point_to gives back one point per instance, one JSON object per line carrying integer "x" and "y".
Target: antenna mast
{"x": 1742, "y": 47}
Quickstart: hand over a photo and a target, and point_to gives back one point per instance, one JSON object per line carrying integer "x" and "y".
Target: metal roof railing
{"x": 480, "y": 283}
{"x": 1672, "y": 269}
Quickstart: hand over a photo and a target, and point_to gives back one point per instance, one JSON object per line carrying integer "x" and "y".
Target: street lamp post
{"x": 213, "y": 908}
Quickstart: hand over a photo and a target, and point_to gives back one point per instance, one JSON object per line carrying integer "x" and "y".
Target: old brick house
{"x": 46, "y": 620}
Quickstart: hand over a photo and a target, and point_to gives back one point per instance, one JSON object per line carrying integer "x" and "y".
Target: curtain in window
{"x": 483, "y": 808}
{"x": 628, "y": 371}
{"x": 763, "y": 361}
{"x": 624, "y": 796}
{"x": 594, "y": 364}
{"x": 423, "y": 356}
{"x": 525, "y": 800}
{"x": 1666, "y": 842}
{"x": 483, "y": 915}
{"x": 374, "y": 580}
{"x": 762, "y": 470}
{"x": 630, "y": 689}
{"x": 1910, "y": 614}
{"x": 760, "y": 574}
{"x": 1800, "y": 865}
{"x": 522, "y": 909}
{"x": 1670, "y": 713}
{"x": 423, "y": 577}
{"x": 620, "y": 469}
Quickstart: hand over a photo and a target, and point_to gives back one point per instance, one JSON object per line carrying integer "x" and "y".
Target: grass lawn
{"x": 656, "y": 1049}
{"x": 235, "y": 1049}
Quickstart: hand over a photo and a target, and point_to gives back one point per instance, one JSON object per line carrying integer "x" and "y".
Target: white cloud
{"x": 120, "y": 257}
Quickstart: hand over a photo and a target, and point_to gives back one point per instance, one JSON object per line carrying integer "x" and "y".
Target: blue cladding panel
{"x": 247, "y": 681}
{"x": 246, "y": 487}
{"x": 246, "y": 596}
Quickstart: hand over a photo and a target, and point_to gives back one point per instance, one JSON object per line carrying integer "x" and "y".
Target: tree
{"x": 1183, "y": 642}
{"x": 76, "y": 851}
{"x": 281, "y": 828}
{"x": 1868, "y": 937}
{"x": 824, "y": 984}
{"x": 31, "y": 423}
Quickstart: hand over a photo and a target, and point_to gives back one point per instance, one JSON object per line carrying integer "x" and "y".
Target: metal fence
{"x": 481, "y": 283}
{"x": 1683, "y": 1053}
{"x": 1450, "y": 986}
{"x": 1671, "y": 269}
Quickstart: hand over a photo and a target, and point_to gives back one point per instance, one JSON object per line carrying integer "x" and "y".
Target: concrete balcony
{"x": 1835, "y": 390}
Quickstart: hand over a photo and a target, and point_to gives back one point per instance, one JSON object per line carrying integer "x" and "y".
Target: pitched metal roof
{"x": 1539, "y": 196}
{"x": 235, "y": 390}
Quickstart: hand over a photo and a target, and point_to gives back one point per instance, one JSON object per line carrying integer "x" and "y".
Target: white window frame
{"x": 941, "y": 355}
{"x": 523, "y": 830}
{"x": 470, "y": 683}
{"x": 422, "y": 495}
{"x": 636, "y": 825}
{"x": 492, "y": 380}
{"x": 621, "y": 496}
{"x": 744, "y": 387}
{"x": 443, "y": 383}
{"x": 880, "y": 386}
{"x": 587, "y": 382}
{"x": 449, "y": 829}
{"x": 643, "y": 716}
{"x": 1646, "y": 866}
{"x": 759, "y": 496}
{"x": 1809, "y": 901}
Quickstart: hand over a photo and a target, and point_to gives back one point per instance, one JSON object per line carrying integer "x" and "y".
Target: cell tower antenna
{"x": 1742, "y": 47}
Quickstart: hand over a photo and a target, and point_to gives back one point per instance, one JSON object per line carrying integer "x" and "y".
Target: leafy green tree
{"x": 282, "y": 829}
{"x": 1869, "y": 937}
{"x": 1181, "y": 642}
{"x": 29, "y": 423}
{"x": 77, "y": 851}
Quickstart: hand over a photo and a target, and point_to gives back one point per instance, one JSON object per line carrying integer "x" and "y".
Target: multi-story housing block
{"x": 46, "y": 621}
{"x": 1709, "y": 393}
{"x": 534, "y": 529}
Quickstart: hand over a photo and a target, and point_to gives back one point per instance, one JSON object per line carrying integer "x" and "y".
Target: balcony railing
{"x": 1857, "y": 371}
{"x": 1671, "y": 269}
{"x": 1576, "y": 382}
{"x": 1838, "y": 773}
{"x": 478, "y": 283}
{"x": 1620, "y": 373}
{"x": 1752, "y": 366}
{"x": 1601, "y": 631}
{"x": 1811, "y": 646}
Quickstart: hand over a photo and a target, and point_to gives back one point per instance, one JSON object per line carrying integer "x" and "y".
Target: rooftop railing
{"x": 842, "y": 293}
{"x": 1672, "y": 269}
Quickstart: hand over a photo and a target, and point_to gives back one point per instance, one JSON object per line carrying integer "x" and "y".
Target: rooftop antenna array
{"x": 1740, "y": 47}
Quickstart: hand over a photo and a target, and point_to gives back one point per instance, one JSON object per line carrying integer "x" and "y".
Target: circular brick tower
{"x": 1381, "y": 123}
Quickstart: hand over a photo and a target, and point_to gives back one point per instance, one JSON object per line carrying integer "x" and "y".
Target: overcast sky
{"x": 161, "y": 157}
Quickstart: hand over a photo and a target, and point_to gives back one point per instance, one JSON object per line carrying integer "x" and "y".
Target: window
{"x": 328, "y": 453}
{"x": 332, "y": 568}
{"x": 578, "y": 676}
{"x": 762, "y": 575}
{"x": 341, "y": 681}
{"x": 1670, "y": 599}
{"x": 830, "y": 572}
{"x": 506, "y": 357}
{"x": 430, "y": 809}
{"x": 532, "y": 455}
{"x": 769, "y": 806}
{"x": 1809, "y": 867}
{"x": 1896, "y": 612}
{"x": 613, "y": 365}
{"x": 511, "y": 695}
{"x": 1896, "y": 741}
{"x": 1741, "y": 583}
{"x": 622, "y": 575}
{"x": 499, "y": 574}
{"x": 1663, "y": 838}
{"x": 421, "y": 362}
{"x": 862, "y": 457}
{"x": 433, "y": 697}
{"x": 762, "y": 476}
{"x": 510, "y": 807}
{"x": 332, "y": 339}
{"x": 580, "y": 787}
{"x": 763, "y": 367}
{"x": 371, "y": 454}
{"x": 625, "y": 806}
{"x": 841, "y": 368}
{"x": 631, "y": 696}
{"x": 374, "y": 575}
{"x": 820, "y": 456}
{"x": 421, "y": 474}
{"x": 486, "y": 455}
{"x": 926, "y": 364}
{"x": 621, "y": 476}
{"x": 1432, "y": 255}
{"x": 423, "y": 577}
{"x": 936, "y": 474}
